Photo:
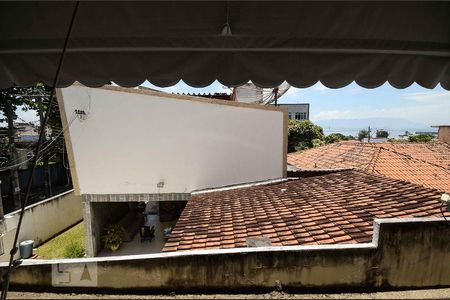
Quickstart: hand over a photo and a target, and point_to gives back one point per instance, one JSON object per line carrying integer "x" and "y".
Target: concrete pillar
{"x": 88, "y": 229}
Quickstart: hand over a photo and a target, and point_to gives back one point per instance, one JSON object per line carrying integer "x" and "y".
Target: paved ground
{"x": 412, "y": 294}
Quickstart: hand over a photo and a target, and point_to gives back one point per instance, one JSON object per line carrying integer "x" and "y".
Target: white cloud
{"x": 333, "y": 114}
{"x": 355, "y": 90}
{"x": 427, "y": 97}
{"x": 427, "y": 112}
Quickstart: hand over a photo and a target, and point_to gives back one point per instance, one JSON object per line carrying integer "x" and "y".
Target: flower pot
{"x": 114, "y": 248}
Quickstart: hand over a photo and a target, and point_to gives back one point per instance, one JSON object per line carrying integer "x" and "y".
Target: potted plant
{"x": 113, "y": 237}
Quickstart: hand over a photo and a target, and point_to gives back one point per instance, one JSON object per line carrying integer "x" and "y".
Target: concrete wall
{"x": 408, "y": 253}
{"x": 132, "y": 139}
{"x": 43, "y": 220}
{"x": 413, "y": 254}
{"x": 58, "y": 180}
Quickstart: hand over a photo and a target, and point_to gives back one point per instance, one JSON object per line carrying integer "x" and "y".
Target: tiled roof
{"x": 337, "y": 208}
{"x": 436, "y": 152}
{"x": 427, "y": 164}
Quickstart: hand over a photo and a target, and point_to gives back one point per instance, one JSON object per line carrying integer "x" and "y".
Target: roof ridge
{"x": 325, "y": 169}
{"x": 375, "y": 158}
{"x": 243, "y": 185}
{"x": 396, "y": 180}
{"x": 360, "y": 147}
{"x": 415, "y": 158}
{"x": 443, "y": 144}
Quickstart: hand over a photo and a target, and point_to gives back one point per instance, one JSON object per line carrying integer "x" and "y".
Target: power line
{"x": 12, "y": 262}
{"x": 44, "y": 150}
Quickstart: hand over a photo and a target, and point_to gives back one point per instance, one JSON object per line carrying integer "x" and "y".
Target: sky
{"x": 414, "y": 103}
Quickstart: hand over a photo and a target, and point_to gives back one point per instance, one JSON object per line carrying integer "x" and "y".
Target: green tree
{"x": 24, "y": 98}
{"x": 303, "y": 135}
{"x": 337, "y": 137}
{"x": 362, "y": 134}
{"x": 381, "y": 133}
{"x": 318, "y": 143}
{"x": 10, "y": 100}
{"x": 420, "y": 138}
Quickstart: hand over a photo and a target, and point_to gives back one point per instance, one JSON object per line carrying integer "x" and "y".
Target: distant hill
{"x": 376, "y": 123}
{"x": 396, "y": 127}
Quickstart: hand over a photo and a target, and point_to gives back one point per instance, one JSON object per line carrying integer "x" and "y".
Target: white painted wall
{"x": 42, "y": 220}
{"x": 130, "y": 141}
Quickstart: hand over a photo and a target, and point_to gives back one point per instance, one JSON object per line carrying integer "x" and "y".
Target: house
{"x": 128, "y": 146}
{"x": 337, "y": 208}
{"x": 427, "y": 164}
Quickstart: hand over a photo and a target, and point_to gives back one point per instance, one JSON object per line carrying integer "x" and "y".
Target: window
{"x": 300, "y": 116}
{"x": 290, "y": 116}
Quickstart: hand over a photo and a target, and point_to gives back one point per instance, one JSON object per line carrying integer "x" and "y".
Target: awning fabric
{"x": 270, "y": 42}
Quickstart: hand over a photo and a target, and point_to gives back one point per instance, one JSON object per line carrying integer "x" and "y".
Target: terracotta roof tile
{"x": 427, "y": 164}
{"x": 328, "y": 209}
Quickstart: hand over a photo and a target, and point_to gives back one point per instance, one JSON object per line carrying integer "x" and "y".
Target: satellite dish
{"x": 250, "y": 93}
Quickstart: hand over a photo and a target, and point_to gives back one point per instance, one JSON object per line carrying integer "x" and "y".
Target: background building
{"x": 127, "y": 146}
{"x": 297, "y": 111}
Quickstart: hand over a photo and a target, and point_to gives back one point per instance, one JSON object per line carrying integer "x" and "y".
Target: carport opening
{"x": 146, "y": 226}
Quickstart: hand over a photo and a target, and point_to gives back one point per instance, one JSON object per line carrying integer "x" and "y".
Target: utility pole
{"x": 368, "y": 135}
{"x": 13, "y": 155}
{"x": 47, "y": 183}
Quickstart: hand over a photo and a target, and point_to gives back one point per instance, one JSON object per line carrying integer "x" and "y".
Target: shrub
{"x": 73, "y": 250}
{"x": 337, "y": 137}
{"x": 420, "y": 138}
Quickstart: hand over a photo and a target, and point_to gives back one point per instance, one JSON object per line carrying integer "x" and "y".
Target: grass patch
{"x": 66, "y": 245}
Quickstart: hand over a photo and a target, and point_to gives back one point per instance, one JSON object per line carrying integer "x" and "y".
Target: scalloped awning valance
{"x": 267, "y": 42}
